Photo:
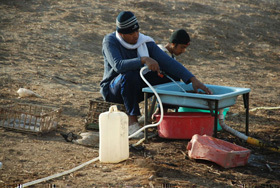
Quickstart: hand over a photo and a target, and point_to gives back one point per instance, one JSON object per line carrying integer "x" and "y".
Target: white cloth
{"x": 162, "y": 47}
{"x": 141, "y": 46}
{"x": 142, "y": 50}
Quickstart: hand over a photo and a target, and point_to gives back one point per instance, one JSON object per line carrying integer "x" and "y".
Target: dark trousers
{"x": 126, "y": 89}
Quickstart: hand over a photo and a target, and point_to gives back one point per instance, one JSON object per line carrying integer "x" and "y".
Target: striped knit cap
{"x": 126, "y": 22}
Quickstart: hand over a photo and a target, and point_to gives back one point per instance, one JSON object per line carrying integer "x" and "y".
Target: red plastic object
{"x": 183, "y": 125}
{"x": 218, "y": 151}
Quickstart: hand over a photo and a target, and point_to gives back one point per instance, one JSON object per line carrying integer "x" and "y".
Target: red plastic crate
{"x": 183, "y": 125}
{"x": 218, "y": 151}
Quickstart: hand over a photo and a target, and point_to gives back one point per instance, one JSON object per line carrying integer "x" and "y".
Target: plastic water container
{"x": 113, "y": 136}
{"x": 184, "y": 109}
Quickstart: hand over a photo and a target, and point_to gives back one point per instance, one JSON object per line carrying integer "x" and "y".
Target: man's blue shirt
{"x": 118, "y": 59}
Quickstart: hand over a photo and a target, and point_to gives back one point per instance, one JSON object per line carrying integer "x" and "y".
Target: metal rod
{"x": 246, "y": 106}
{"x": 151, "y": 110}
{"x": 146, "y": 114}
{"x": 210, "y": 104}
{"x": 176, "y": 83}
{"x": 216, "y": 119}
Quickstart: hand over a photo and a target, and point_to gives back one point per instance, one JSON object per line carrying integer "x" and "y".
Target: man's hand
{"x": 151, "y": 63}
{"x": 198, "y": 85}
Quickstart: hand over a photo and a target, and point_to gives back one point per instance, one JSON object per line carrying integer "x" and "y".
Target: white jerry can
{"x": 113, "y": 136}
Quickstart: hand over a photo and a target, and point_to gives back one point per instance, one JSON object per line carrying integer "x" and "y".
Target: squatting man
{"x": 125, "y": 52}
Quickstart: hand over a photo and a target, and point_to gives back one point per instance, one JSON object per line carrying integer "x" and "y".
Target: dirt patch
{"x": 54, "y": 49}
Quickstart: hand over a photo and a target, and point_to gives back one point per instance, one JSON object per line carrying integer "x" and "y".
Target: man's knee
{"x": 132, "y": 78}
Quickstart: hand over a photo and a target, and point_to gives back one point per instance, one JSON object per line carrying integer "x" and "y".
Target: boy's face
{"x": 179, "y": 48}
{"x": 130, "y": 38}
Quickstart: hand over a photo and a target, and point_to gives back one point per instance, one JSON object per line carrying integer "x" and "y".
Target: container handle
{"x": 114, "y": 108}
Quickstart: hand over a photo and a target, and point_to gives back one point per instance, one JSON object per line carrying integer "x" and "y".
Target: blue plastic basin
{"x": 170, "y": 93}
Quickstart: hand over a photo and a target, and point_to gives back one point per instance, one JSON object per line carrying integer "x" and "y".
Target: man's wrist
{"x": 143, "y": 60}
{"x": 193, "y": 79}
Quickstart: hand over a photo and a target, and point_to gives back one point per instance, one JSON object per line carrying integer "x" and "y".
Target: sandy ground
{"x": 54, "y": 49}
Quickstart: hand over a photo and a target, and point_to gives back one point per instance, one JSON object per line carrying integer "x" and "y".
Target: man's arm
{"x": 119, "y": 58}
{"x": 169, "y": 65}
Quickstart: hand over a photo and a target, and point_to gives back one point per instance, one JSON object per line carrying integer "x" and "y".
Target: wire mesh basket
{"x": 96, "y": 107}
{"x": 29, "y": 117}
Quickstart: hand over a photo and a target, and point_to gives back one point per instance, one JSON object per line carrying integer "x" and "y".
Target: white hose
{"x": 159, "y": 101}
{"x": 265, "y": 108}
{"x": 229, "y": 129}
{"x": 59, "y": 174}
{"x": 97, "y": 158}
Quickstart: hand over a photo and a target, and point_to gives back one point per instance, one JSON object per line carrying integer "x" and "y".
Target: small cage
{"x": 29, "y": 117}
{"x": 96, "y": 107}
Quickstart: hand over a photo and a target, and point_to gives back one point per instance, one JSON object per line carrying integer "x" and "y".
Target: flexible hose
{"x": 265, "y": 108}
{"x": 159, "y": 101}
{"x": 249, "y": 140}
{"x": 97, "y": 158}
{"x": 58, "y": 175}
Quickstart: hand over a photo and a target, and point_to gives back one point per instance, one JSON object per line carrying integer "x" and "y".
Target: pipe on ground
{"x": 248, "y": 139}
